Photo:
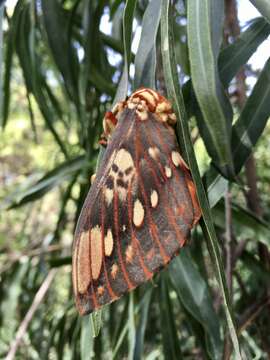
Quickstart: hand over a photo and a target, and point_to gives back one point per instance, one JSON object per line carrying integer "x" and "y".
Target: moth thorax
{"x": 143, "y": 101}
{"x": 149, "y": 100}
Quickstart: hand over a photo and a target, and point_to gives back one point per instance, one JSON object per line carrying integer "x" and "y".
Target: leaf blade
{"x": 127, "y": 34}
{"x": 252, "y": 119}
{"x": 263, "y": 7}
{"x": 214, "y": 105}
{"x": 145, "y": 59}
{"x": 176, "y": 97}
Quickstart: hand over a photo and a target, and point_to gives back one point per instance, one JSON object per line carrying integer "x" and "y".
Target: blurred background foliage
{"x": 63, "y": 64}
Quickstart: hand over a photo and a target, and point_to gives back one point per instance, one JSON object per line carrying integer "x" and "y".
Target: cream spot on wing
{"x": 168, "y": 171}
{"x": 83, "y": 271}
{"x": 122, "y": 193}
{"x": 129, "y": 254}
{"x": 123, "y": 160}
{"x": 138, "y": 213}
{"x": 108, "y": 243}
{"x": 154, "y": 198}
{"x": 153, "y": 152}
{"x": 96, "y": 251}
{"x": 176, "y": 158}
{"x": 124, "y": 228}
{"x": 108, "y": 195}
{"x": 114, "y": 271}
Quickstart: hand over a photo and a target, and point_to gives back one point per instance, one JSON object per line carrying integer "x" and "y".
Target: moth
{"x": 141, "y": 206}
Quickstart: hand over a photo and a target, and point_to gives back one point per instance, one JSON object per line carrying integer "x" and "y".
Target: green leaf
{"x": 245, "y": 223}
{"x": 7, "y": 75}
{"x": 1, "y": 53}
{"x": 140, "y": 329}
{"x": 237, "y": 54}
{"x": 245, "y": 134}
{"x": 216, "y": 186}
{"x": 145, "y": 59}
{"x": 175, "y": 95}
{"x": 96, "y": 322}
{"x": 194, "y": 294}
{"x": 230, "y": 60}
{"x": 25, "y": 42}
{"x": 263, "y": 6}
{"x": 124, "y": 331}
{"x": 253, "y": 119}
{"x": 171, "y": 343}
{"x": 56, "y": 25}
{"x": 131, "y": 325}
{"x": 52, "y": 179}
{"x": 204, "y": 31}
{"x": 86, "y": 341}
{"x": 257, "y": 268}
{"x": 127, "y": 35}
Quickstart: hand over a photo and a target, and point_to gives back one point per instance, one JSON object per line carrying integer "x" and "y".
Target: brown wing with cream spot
{"x": 138, "y": 213}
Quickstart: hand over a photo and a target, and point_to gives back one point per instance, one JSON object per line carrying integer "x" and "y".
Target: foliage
{"x": 65, "y": 63}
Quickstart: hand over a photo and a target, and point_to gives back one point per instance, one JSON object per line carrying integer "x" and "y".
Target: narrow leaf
{"x": 86, "y": 340}
{"x": 176, "y": 97}
{"x": 96, "y": 322}
{"x": 131, "y": 325}
{"x": 145, "y": 59}
{"x": 245, "y": 223}
{"x": 56, "y": 26}
{"x": 1, "y": 53}
{"x": 127, "y": 35}
{"x": 193, "y": 292}
{"x": 53, "y": 178}
{"x": 171, "y": 343}
{"x": 235, "y": 55}
{"x": 203, "y": 42}
{"x": 140, "y": 330}
{"x": 253, "y": 119}
{"x": 4, "y": 105}
{"x": 263, "y": 6}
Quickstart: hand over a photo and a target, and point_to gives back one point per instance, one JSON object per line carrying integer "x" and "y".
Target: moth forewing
{"x": 141, "y": 205}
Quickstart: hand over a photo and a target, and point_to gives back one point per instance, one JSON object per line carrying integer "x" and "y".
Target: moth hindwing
{"x": 141, "y": 205}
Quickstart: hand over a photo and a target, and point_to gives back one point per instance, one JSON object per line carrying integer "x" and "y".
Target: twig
{"x": 251, "y": 313}
{"x": 29, "y": 315}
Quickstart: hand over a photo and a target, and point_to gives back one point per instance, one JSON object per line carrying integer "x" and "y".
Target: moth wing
{"x": 138, "y": 213}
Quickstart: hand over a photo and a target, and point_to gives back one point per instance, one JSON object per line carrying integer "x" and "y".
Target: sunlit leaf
{"x": 263, "y": 6}
{"x": 145, "y": 59}
{"x": 253, "y": 118}
{"x": 237, "y": 54}
{"x": 203, "y": 42}
{"x": 176, "y": 97}
{"x": 53, "y": 178}
{"x": 127, "y": 35}
{"x": 194, "y": 294}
